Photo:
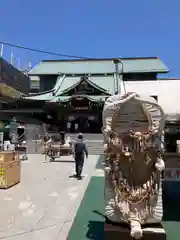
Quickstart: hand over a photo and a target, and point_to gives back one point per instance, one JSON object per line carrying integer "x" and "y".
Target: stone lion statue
{"x": 133, "y": 128}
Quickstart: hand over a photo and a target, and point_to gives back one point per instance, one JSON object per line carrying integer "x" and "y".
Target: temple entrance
{"x": 84, "y": 124}
{"x": 79, "y": 114}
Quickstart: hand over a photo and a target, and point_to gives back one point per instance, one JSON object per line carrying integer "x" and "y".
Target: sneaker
{"x": 73, "y": 176}
{"x": 79, "y": 178}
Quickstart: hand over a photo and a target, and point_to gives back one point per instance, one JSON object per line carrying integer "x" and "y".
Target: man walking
{"x": 80, "y": 150}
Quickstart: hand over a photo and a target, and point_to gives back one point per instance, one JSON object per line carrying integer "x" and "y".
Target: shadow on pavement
{"x": 62, "y": 161}
{"x": 171, "y": 212}
{"x": 95, "y": 230}
{"x": 100, "y": 162}
{"x": 171, "y": 196}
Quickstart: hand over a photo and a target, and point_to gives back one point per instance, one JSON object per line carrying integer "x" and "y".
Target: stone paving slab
{"x": 44, "y": 204}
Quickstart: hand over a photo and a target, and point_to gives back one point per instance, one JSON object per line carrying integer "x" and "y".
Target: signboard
{"x": 2, "y": 176}
{"x": 171, "y": 174}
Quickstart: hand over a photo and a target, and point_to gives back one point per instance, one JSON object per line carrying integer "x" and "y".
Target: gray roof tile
{"x": 98, "y": 66}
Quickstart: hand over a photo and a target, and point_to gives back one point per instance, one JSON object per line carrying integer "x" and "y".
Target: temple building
{"x": 68, "y": 93}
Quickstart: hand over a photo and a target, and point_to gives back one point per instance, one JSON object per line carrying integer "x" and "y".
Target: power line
{"x": 42, "y": 51}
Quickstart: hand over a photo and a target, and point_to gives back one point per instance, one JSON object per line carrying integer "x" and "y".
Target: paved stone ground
{"x": 44, "y": 204}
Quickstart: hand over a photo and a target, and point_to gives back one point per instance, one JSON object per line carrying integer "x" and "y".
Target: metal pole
{"x": 121, "y": 77}
{"x": 118, "y": 74}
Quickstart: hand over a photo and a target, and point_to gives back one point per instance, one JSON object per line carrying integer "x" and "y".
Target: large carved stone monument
{"x": 133, "y": 128}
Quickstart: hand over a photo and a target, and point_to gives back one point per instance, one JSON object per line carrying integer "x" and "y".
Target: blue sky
{"x": 93, "y": 28}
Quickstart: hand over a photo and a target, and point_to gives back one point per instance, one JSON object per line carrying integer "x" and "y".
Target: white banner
{"x": 171, "y": 174}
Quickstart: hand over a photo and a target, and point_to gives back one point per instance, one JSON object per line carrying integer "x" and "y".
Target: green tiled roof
{"x": 58, "y": 84}
{"x": 44, "y": 96}
{"x": 103, "y": 83}
{"x": 95, "y": 66}
{"x": 71, "y": 82}
{"x": 67, "y": 98}
{"x": 67, "y": 83}
{"x": 106, "y": 82}
{"x": 60, "y": 99}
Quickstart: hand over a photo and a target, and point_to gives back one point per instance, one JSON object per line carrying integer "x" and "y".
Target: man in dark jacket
{"x": 80, "y": 150}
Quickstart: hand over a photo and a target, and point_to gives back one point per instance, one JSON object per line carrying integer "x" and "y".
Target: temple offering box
{"x": 10, "y": 169}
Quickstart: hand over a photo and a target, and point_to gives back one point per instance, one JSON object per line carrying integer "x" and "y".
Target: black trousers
{"x": 79, "y": 163}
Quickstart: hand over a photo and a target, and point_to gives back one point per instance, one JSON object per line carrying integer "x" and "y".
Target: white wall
{"x": 168, "y": 92}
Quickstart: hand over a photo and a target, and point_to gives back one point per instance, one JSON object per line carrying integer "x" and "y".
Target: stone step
{"x": 88, "y": 136}
{"x": 95, "y": 149}
{"x": 94, "y": 142}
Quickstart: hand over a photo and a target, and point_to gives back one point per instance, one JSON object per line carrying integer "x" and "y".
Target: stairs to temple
{"x": 94, "y": 142}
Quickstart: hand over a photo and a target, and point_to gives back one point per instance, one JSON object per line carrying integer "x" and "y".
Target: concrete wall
{"x": 168, "y": 92}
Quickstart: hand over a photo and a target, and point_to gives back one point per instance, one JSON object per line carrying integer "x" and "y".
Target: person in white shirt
{"x": 68, "y": 126}
{"x": 76, "y": 127}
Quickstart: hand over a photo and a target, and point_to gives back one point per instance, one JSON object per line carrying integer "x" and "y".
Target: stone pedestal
{"x": 117, "y": 232}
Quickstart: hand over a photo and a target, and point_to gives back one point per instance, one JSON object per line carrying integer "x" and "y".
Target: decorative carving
{"x": 132, "y": 128}
{"x": 84, "y": 87}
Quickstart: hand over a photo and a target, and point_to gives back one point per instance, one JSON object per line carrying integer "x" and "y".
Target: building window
{"x": 35, "y": 84}
{"x": 172, "y": 134}
{"x": 171, "y": 142}
{"x": 139, "y": 76}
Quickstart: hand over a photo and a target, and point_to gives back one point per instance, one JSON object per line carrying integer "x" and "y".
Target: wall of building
{"x": 42, "y": 83}
{"x": 167, "y": 91}
{"x": 34, "y": 84}
{"x": 13, "y": 77}
{"x": 47, "y": 82}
